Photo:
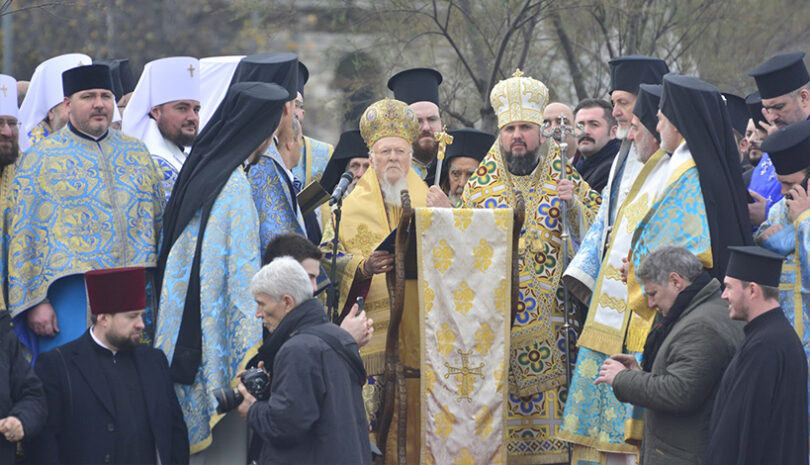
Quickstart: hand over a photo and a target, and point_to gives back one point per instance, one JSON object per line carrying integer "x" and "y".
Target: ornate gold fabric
{"x": 366, "y": 221}
{"x": 388, "y": 118}
{"x": 519, "y": 98}
{"x": 464, "y": 324}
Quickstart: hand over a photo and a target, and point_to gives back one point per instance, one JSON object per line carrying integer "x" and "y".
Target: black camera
{"x": 257, "y": 383}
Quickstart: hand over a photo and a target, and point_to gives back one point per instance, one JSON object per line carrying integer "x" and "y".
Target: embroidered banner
{"x": 464, "y": 258}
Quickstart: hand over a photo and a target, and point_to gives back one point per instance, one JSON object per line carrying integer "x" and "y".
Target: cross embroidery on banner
{"x": 4, "y": 89}
{"x": 467, "y": 375}
{"x": 191, "y": 70}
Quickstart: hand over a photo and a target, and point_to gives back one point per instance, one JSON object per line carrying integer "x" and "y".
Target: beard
{"x": 521, "y": 165}
{"x": 121, "y": 341}
{"x": 427, "y": 151}
{"x": 10, "y": 156}
{"x": 391, "y": 191}
{"x": 621, "y": 133}
{"x": 179, "y": 137}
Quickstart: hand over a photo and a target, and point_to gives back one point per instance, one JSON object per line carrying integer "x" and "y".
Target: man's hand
{"x": 42, "y": 320}
{"x": 565, "y": 191}
{"x": 771, "y": 231}
{"x": 359, "y": 326}
{"x": 769, "y": 128}
{"x": 437, "y": 198}
{"x": 247, "y": 402}
{"x": 628, "y": 361}
{"x": 756, "y": 210}
{"x": 379, "y": 261}
{"x": 12, "y": 429}
{"x": 608, "y": 372}
{"x": 799, "y": 203}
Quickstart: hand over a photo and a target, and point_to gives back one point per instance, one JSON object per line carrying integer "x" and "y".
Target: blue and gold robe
{"x": 39, "y": 132}
{"x": 77, "y": 205}
{"x": 273, "y": 199}
{"x": 230, "y": 333}
{"x": 676, "y": 215}
{"x": 793, "y": 241}
{"x": 315, "y": 155}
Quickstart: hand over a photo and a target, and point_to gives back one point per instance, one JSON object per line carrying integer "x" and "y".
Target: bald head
{"x": 551, "y": 118}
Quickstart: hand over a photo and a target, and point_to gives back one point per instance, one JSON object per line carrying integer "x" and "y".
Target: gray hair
{"x": 657, "y": 266}
{"x": 283, "y": 276}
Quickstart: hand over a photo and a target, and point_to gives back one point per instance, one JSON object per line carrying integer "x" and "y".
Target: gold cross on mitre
{"x": 517, "y": 73}
{"x": 444, "y": 139}
{"x": 190, "y": 70}
{"x": 466, "y": 374}
{"x": 4, "y": 89}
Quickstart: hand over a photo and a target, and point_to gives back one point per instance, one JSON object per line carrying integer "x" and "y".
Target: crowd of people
{"x": 169, "y": 241}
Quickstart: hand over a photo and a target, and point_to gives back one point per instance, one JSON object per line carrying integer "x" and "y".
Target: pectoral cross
{"x": 4, "y": 89}
{"x": 468, "y": 374}
{"x": 191, "y": 70}
{"x": 444, "y": 139}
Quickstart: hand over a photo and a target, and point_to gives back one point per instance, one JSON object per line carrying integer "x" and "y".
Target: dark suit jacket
{"x": 81, "y": 414}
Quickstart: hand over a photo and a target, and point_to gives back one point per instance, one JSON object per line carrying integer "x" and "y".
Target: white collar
{"x": 98, "y": 341}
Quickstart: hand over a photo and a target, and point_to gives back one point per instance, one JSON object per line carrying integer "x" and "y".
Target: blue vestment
{"x": 78, "y": 204}
{"x": 230, "y": 332}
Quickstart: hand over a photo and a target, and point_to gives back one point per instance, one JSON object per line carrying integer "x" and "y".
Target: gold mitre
{"x": 388, "y": 118}
{"x": 519, "y": 98}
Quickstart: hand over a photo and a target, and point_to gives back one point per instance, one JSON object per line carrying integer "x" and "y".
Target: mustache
{"x": 190, "y": 124}
{"x": 582, "y": 139}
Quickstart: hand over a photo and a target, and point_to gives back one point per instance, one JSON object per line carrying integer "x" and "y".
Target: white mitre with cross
{"x": 45, "y": 91}
{"x": 163, "y": 80}
{"x": 8, "y": 96}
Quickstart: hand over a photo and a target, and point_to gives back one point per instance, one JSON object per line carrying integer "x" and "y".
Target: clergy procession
{"x": 189, "y": 278}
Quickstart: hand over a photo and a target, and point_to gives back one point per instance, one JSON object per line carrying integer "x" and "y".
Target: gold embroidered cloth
{"x": 464, "y": 258}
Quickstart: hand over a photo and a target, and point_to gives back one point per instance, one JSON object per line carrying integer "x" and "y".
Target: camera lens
{"x": 227, "y": 399}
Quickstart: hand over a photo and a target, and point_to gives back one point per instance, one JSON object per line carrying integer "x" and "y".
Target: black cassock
{"x": 760, "y": 413}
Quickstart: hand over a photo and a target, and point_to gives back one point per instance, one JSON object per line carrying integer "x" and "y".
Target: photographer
{"x": 315, "y": 412}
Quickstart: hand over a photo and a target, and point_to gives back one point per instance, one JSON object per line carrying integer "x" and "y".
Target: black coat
{"x": 315, "y": 414}
{"x": 760, "y": 413}
{"x": 82, "y": 419}
{"x": 21, "y": 393}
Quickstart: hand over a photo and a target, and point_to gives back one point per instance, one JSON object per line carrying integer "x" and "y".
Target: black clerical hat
{"x": 738, "y": 112}
{"x": 276, "y": 68}
{"x": 781, "y": 75}
{"x": 649, "y": 95}
{"x": 628, "y": 72}
{"x": 789, "y": 148}
{"x": 303, "y": 77}
{"x": 123, "y": 81}
{"x": 467, "y": 142}
{"x": 754, "y": 103}
{"x": 754, "y": 264}
{"x": 350, "y": 145}
{"x": 416, "y": 85}
{"x": 86, "y": 77}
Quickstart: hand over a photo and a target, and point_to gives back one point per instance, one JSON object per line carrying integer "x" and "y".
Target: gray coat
{"x": 679, "y": 392}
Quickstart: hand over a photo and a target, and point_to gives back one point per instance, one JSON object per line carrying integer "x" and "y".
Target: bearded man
{"x": 370, "y": 213}
{"x": 519, "y": 162}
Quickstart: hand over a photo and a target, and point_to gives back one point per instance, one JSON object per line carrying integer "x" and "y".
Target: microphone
{"x": 345, "y": 179}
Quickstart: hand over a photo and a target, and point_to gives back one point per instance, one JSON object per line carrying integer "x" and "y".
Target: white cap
{"x": 216, "y": 74}
{"x": 8, "y": 96}
{"x": 45, "y": 90}
{"x": 163, "y": 80}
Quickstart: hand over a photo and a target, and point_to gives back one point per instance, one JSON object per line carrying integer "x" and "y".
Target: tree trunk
{"x": 570, "y": 56}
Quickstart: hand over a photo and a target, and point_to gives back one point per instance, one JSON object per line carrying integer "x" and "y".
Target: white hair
{"x": 283, "y": 276}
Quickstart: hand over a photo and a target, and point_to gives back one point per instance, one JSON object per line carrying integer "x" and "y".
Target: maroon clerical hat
{"x": 116, "y": 290}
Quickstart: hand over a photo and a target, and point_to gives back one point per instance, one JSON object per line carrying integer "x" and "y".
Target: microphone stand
{"x": 334, "y": 291}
